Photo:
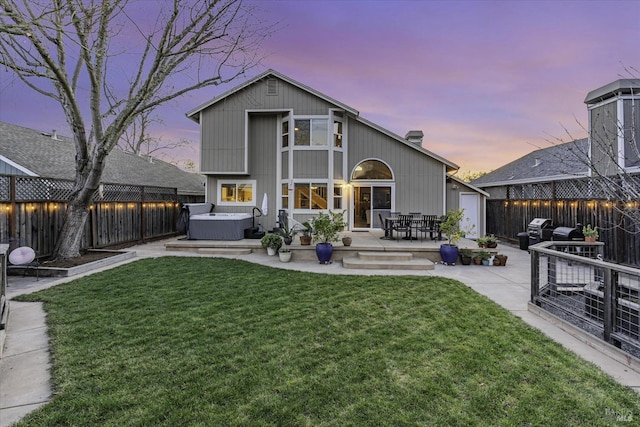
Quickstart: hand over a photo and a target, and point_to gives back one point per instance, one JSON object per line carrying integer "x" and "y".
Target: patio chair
{"x": 403, "y": 225}
{"x": 387, "y": 226}
{"x": 429, "y": 224}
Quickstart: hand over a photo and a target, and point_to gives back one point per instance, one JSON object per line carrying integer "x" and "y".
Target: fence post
{"x": 608, "y": 308}
{"x": 535, "y": 276}
{"x": 13, "y": 216}
{"x": 143, "y": 221}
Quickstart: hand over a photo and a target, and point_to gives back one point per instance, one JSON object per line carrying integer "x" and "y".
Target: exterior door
{"x": 370, "y": 201}
{"x": 470, "y": 202}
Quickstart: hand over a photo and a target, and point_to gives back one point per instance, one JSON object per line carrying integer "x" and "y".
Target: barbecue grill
{"x": 540, "y": 230}
{"x": 568, "y": 234}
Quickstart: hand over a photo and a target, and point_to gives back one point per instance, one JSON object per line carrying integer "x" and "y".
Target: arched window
{"x": 372, "y": 169}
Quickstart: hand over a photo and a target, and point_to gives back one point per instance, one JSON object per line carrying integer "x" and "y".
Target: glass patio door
{"x": 369, "y": 201}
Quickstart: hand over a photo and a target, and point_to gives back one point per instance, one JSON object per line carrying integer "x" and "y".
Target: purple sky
{"x": 486, "y": 81}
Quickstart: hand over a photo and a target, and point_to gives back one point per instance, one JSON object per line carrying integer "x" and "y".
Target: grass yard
{"x": 217, "y": 342}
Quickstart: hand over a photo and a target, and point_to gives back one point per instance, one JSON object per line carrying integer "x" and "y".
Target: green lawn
{"x": 216, "y": 342}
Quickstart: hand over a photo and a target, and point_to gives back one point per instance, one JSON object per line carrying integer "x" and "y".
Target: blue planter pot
{"x": 449, "y": 254}
{"x": 324, "y": 252}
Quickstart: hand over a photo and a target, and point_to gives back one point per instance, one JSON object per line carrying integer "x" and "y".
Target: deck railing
{"x": 571, "y": 281}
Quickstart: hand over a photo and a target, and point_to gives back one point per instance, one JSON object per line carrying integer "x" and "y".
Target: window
{"x": 285, "y": 131}
{"x": 372, "y": 169}
{"x": 285, "y": 196}
{"x": 311, "y": 132}
{"x": 236, "y": 192}
{"x": 337, "y": 196}
{"x": 337, "y": 133}
{"x": 310, "y": 196}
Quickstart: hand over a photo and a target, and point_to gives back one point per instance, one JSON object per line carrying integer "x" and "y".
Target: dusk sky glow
{"x": 486, "y": 81}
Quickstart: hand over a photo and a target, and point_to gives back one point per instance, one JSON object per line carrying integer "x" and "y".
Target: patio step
{"x": 224, "y": 251}
{"x": 386, "y": 256}
{"x": 387, "y": 261}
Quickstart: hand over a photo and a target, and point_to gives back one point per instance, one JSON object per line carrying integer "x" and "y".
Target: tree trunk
{"x": 68, "y": 242}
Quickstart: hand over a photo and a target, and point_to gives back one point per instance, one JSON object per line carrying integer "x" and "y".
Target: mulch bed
{"x": 84, "y": 258}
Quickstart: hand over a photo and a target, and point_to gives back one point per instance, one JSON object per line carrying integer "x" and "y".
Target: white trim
{"x": 368, "y": 183}
{"x": 478, "y": 229}
{"x": 444, "y": 190}
{"x": 468, "y": 185}
{"x": 254, "y": 191}
{"x": 17, "y": 166}
{"x": 589, "y": 152}
{"x": 620, "y": 133}
{"x": 350, "y": 176}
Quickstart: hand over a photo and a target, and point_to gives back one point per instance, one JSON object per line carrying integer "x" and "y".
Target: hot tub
{"x": 219, "y": 226}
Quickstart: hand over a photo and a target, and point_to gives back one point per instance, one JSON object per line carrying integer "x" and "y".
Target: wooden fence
{"x": 32, "y": 212}
{"x": 566, "y": 203}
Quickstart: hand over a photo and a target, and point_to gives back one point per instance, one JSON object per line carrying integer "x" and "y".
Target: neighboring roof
{"x": 195, "y": 116}
{"x": 43, "y": 155}
{"x": 468, "y": 185}
{"x": 563, "y": 161}
{"x": 622, "y": 86}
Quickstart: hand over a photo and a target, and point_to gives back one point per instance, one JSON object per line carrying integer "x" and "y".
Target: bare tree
{"x": 610, "y": 176}
{"x": 138, "y": 138}
{"x": 107, "y": 62}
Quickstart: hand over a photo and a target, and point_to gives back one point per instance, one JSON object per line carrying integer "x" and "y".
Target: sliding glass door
{"x": 369, "y": 203}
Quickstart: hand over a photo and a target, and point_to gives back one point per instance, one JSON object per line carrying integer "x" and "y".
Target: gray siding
{"x": 285, "y": 165}
{"x": 338, "y": 156}
{"x": 310, "y": 164}
{"x": 604, "y": 144}
{"x": 7, "y": 169}
{"x": 631, "y": 120}
{"x": 419, "y": 179}
{"x": 223, "y": 138}
{"x": 223, "y": 127}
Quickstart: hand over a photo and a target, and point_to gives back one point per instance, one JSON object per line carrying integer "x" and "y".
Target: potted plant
{"x": 500, "y": 259}
{"x": 484, "y": 257}
{"x": 590, "y": 233}
{"x": 451, "y": 227}
{"x": 465, "y": 256}
{"x": 288, "y": 233}
{"x": 326, "y": 229}
{"x": 271, "y": 242}
{"x": 284, "y": 254}
{"x": 305, "y": 239}
{"x": 347, "y": 240}
{"x": 488, "y": 241}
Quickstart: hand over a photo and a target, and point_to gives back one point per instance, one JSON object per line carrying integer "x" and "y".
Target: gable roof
{"x": 36, "y": 153}
{"x": 195, "y": 113}
{"x": 563, "y": 161}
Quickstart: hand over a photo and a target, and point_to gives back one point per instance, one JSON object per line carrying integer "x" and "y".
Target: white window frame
{"x": 220, "y": 182}
{"x": 292, "y": 140}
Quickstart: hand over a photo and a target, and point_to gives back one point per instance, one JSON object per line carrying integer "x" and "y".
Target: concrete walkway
{"x": 24, "y": 367}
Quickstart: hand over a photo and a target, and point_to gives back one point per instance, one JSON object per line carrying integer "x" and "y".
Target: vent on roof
{"x": 536, "y": 163}
{"x": 272, "y": 86}
{"x": 414, "y": 136}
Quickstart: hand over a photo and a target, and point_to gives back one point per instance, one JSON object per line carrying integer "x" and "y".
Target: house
{"x": 595, "y": 180}
{"x": 562, "y": 161}
{"x": 307, "y": 152}
{"x": 31, "y": 152}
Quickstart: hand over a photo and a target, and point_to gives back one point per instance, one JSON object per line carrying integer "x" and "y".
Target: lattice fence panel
{"x": 537, "y": 191}
{"x": 497, "y": 193}
{"x": 119, "y": 193}
{"x": 159, "y": 194}
{"x": 35, "y": 189}
{"x": 4, "y": 188}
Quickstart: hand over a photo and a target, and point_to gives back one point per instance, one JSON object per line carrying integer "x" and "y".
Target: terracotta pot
{"x": 305, "y": 240}
{"x": 477, "y": 261}
{"x": 590, "y": 239}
